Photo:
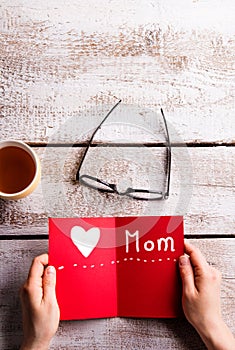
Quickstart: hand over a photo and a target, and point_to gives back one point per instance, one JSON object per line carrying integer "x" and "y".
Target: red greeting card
{"x": 109, "y": 267}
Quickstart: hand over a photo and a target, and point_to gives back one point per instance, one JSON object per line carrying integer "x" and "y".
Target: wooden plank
{"x": 202, "y": 188}
{"x": 57, "y": 62}
{"x": 117, "y": 333}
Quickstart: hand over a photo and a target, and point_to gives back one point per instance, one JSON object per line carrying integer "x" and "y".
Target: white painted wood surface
{"x": 61, "y": 64}
{"x": 57, "y": 58}
{"x": 116, "y": 333}
{"x": 202, "y": 188}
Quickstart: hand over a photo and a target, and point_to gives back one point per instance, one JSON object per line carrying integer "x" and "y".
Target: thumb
{"x": 49, "y": 282}
{"x": 187, "y": 275}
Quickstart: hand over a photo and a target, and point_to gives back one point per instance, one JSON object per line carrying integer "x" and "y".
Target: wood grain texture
{"x": 61, "y": 66}
{"x": 57, "y": 60}
{"x": 202, "y": 188}
{"x": 117, "y": 333}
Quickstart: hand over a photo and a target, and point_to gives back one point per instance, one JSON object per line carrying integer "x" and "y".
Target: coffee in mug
{"x": 19, "y": 170}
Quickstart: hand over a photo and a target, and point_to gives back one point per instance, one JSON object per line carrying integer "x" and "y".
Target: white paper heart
{"x": 85, "y": 241}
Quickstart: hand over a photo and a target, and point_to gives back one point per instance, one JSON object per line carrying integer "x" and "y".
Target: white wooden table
{"x": 61, "y": 59}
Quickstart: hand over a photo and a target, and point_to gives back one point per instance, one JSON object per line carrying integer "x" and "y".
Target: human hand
{"x": 39, "y": 305}
{"x": 201, "y": 299}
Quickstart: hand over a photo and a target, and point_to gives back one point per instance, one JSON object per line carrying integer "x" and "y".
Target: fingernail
{"x": 50, "y": 270}
{"x": 183, "y": 260}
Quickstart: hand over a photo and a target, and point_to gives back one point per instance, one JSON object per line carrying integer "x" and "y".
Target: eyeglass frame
{"x": 112, "y": 188}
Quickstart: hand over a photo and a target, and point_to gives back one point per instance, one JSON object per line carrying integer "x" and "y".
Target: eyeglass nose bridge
{"x": 115, "y": 189}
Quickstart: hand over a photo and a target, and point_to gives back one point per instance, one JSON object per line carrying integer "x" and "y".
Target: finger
{"x": 49, "y": 283}
{"x": 187, "y": 275}
{"x": 196, "y": 257}
{"x": 37, "y": 268}
{"x": 32, "y": 290}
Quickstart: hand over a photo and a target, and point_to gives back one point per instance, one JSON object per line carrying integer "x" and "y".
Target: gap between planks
{"x": 45, "y": 237}
{"x": 150, "y": 144}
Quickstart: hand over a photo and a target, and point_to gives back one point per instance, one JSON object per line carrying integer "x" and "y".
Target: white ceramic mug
{"x": 20, "y": 169}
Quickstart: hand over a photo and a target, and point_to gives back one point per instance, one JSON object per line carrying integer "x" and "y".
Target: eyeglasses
{"x": 135, "y": 193}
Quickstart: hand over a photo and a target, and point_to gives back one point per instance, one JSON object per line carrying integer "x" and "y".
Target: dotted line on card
{"x": 114, "y": 262}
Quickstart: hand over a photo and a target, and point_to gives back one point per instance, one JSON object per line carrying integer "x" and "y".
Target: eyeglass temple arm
{"x": 169, "y": 156}
{"x": 92, "y": 137}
